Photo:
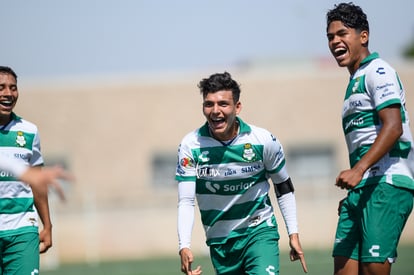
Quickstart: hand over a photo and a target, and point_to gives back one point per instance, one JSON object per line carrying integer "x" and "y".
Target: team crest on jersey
{"x": 248, "y": 152}
{"x": 20, "y": 139}
{"x": 356, "y": 84}
{"x": 187, "y": 162}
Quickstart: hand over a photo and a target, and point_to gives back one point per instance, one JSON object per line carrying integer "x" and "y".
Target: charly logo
{"x": 20, "y": 140}
{"x": 374, "y": 251}
{"x": 203, "y": 157}
{"x": 380, "y": 70}
{"x": 248, "y": 152}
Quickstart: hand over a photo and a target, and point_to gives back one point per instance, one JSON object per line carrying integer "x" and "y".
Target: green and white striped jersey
{"x": 232, "y": 180}
{"x": 19, "y": 140}
{"x": 374, "y": 86}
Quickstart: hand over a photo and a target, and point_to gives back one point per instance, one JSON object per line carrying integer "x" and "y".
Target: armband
{"x": 284, "y": 188}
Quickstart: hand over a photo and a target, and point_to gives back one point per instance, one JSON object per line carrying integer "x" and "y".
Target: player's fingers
{"x": 59, "y": 190}
{"x": 294, "y": 255}
{"x": 197, "y": 271}
{"x": 303, "y": 263}
{"x": 65, "y": 175}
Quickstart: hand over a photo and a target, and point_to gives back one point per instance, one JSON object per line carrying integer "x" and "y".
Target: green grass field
{"x": 319, "y": 263}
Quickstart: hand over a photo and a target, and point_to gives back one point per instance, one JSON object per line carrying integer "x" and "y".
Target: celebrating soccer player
{"x": 375, "y": 122}
{"x": 226, "y": 164}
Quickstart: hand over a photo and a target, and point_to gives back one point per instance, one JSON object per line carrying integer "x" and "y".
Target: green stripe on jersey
{"x": 399, "y": 150}
{"x": 16, "y": 139}
{"x": 360, "y": 120}
{"x": 226, "y": 154}
{"x": 7, "y": 176}
{"x": 281, "y": 165}
{"x": 355, "y": 86}
{"x": 16, "y": 205}
{"x": 239, "y": 211}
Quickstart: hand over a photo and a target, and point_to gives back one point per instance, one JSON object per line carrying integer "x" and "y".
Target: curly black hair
{"x": 8, "y": 70}
{"x": 352, "y": 16}
{"x": 219, "y": 82}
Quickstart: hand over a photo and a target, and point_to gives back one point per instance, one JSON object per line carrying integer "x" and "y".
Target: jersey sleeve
{"x": 383, "y": 85}
{"x": 186, "y": 167}
{"x": 36, "y": 158}
{"x": 274, "y": 159}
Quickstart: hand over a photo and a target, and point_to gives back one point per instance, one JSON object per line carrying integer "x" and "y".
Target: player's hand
{"x": 45, "y": 240}
{"x": 38, "y": 178}
{"x": 186, "y": 261}
{"x": 296, "y": 252}
{"x": 350, "y": 178}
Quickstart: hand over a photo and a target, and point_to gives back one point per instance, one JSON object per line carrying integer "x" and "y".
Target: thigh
{"x": 21, "y": 254}
{"x": 261, "y": 255}
{"x": 347, "y": 234}
{"x": 226, "y": 258}
{"x": 384, "y": 217}
{"x": 257, "y": 253}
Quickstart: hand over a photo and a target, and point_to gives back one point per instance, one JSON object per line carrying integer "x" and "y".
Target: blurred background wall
{"x": 119, "y": 137}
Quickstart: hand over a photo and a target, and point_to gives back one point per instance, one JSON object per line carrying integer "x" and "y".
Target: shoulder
{"x": 190, "y": 137}
{"x": 262, "y": 135}
{"x": 20, "y": 124}
{"x": 379, "y": 68}
{"x": 260, "y": 130}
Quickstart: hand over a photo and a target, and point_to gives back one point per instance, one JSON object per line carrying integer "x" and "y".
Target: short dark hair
{"x": 219, "y": 82}
{"x": 352, "y": 16}
{"x": 8, "y": 70}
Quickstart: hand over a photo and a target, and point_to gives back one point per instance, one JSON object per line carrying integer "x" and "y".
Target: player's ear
{"x": 364, "y": 37}
{"x": 238, "y": 107}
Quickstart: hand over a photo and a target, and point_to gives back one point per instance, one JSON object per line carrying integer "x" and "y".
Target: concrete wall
{"x": 107, "y": 130}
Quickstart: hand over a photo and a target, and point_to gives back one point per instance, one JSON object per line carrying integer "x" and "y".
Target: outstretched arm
{"x": 36, "y": 178}
{"x": 186, "y": 203}
{"x": 48, "y": 176}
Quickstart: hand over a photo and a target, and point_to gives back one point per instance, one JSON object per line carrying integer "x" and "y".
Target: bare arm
{"x": 41, "y": 201}
{"x": 387, "y": 137}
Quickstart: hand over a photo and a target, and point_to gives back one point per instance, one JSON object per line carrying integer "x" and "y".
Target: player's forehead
{"x": 7, "y": 78}
{"x": 222, "y": 95}
{"x": 336, "y": 26}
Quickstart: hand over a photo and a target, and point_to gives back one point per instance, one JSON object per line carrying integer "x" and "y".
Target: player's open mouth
{"x": 6, "y": 103}
{"x": 339, "y": 52}
{"x": 215, "y": 122}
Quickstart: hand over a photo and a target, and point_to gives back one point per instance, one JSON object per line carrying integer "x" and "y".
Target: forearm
{"x": 41, "y": 201}
{"x": 185, "y": 221}
{"x": 287, "y": 206}
{"x": 386, "y": 139}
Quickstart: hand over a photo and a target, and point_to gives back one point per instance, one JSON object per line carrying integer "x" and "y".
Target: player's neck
{"x": 4, "y": 121}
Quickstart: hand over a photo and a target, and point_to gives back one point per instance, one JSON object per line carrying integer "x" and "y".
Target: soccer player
{"x": 376, "y": 126}
{"x": 20, "y": 240}
{"x": 226, "y": 164}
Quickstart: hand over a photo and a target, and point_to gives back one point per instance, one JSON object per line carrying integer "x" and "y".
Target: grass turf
{"x": 319, "y": 262}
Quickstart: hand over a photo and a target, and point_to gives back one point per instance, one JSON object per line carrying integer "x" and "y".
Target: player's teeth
{"x": 338, "y": 50}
